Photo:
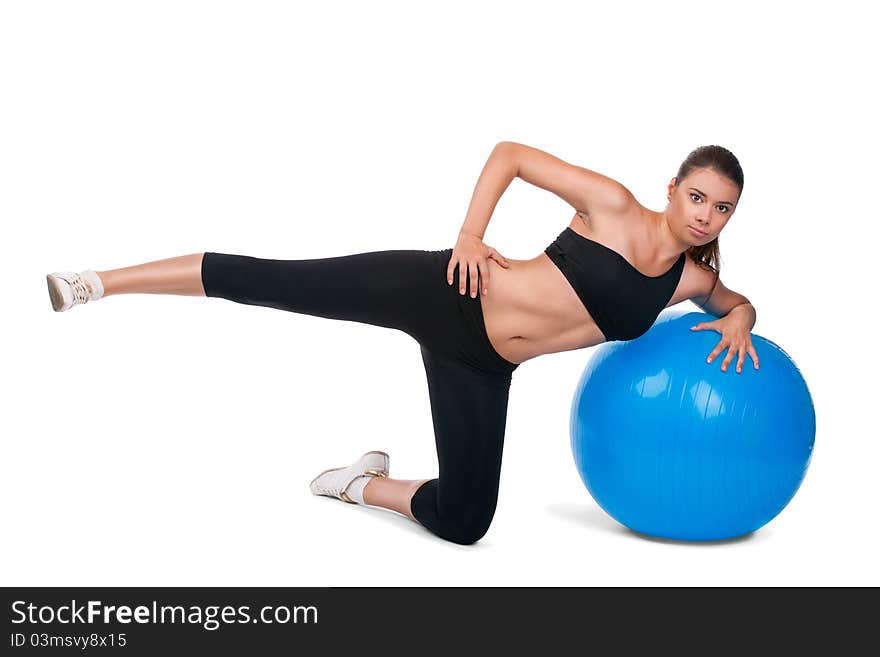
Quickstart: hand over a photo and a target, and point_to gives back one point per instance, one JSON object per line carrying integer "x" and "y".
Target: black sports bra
{"x": 623, "y": 301}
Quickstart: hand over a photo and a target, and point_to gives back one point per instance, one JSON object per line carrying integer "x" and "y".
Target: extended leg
{"x": 400, "y": 289}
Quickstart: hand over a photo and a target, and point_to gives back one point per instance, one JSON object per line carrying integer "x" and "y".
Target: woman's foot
{"x": 68, "y": 289}
{"x": 347, "y": 484}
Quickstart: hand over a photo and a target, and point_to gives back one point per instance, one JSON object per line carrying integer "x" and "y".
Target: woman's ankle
{"x": 393, "y": 494}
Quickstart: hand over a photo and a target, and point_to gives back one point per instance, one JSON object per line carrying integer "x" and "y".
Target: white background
{"x": 159, "y": 440}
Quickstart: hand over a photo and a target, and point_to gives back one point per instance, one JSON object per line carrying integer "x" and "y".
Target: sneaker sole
{"x": 54, "y": 294}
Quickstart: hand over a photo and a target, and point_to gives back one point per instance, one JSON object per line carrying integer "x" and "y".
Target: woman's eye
{"x": 696, "y": 197}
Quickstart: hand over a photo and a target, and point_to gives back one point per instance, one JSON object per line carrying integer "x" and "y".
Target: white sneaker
{"x": 68, "y": 289}
{"x": 336, "y": 481}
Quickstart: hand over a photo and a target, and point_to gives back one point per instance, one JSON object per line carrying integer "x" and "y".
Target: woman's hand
{"x": 735, "y": 337}
{"x": 472, "y": 258}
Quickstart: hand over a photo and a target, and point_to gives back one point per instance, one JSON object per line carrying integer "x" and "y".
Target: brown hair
{"x": 724, "y": 162}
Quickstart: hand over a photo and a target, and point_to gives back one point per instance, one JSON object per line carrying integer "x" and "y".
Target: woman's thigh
{"x": 400, "y": 289}
{"x": 390, "y": 288}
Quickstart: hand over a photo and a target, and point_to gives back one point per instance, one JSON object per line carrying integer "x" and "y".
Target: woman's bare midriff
{"x": 531, "y": 309}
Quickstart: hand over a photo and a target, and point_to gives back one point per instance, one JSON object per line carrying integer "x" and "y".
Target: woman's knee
{"x": 467, "y": 534}
{"x": 462, "y": 518}
{"x": 466, "y": 527}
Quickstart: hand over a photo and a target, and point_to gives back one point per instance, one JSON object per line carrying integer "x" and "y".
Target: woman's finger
{"x": 729, "y": 357}
{"x": 485, "y": 273}
{"x": 475, "y": 274}
{"x": 712, "y": 326}
{"x": 717, "y": 350}
{"x": 500, "y": 259}
{"x": 754, "y": 355}
{"x": 462, "y": 275}
{"x": 450, "y": 270}
{"x": 741, "y": 359}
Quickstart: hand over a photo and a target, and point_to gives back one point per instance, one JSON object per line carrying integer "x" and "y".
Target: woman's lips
{"x": 697, "y": 232}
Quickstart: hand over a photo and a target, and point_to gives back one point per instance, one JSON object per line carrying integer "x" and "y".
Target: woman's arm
{"x": 736, "y": 320}
{"x": 586, "y": 191}
{"x": 499, "y": 171}
{"x": 470, "y": 254}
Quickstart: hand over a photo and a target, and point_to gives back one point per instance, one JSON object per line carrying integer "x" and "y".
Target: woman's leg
{"x": 180, "y": 275}
{"x": 469, "y": 410}
{"x": 391, "y": 288}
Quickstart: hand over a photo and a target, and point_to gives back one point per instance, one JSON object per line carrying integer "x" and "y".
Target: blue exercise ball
{"x": 670, "y": 446}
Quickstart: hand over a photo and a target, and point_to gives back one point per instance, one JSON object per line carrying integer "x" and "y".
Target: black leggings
{"x": 468, "y": 381}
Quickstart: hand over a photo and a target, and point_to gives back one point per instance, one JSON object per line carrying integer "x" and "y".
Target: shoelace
{"x": 81, "y": 292}
{"x": 327, "y": 489}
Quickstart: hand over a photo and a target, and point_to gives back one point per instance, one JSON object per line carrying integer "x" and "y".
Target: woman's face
{"x": 703, "y": 201}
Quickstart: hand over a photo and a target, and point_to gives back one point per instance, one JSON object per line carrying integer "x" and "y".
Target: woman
{"x": 477, "y": 315}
